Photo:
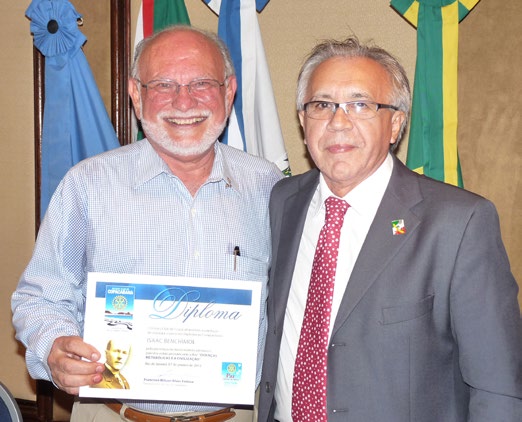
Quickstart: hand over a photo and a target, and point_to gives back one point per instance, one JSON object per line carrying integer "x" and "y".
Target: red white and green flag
{"x": 432, "y": 147}
{"x": 155, "y": 15}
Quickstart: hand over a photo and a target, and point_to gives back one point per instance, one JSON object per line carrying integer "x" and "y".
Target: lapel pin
{"x": 398, "y": 227}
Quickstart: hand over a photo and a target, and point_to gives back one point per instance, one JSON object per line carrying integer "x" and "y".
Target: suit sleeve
{"x": 486, "y": 320}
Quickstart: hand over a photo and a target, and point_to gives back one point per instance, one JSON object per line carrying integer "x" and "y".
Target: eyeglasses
{"x": 165, "y": 89}
{"x": 361, "y": 110}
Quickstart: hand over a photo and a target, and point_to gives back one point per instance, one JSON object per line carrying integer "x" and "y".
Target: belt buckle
{"x": 182, "y": 418}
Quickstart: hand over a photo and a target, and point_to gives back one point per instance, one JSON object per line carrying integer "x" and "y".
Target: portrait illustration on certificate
{"x": 117, "y": 353}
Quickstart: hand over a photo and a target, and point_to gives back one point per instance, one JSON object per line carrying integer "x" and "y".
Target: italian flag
{"x": 155, "y": 15}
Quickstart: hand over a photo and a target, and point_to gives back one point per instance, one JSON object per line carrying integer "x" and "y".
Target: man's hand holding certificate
{"x": 189, "y": 340}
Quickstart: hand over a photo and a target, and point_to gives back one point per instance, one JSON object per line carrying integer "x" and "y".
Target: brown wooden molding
{"x": 120, "y": 62}
{"x": 39, "y": 99}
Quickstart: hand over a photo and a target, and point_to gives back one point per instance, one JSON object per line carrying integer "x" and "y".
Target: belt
{"x": 139, "y": 416}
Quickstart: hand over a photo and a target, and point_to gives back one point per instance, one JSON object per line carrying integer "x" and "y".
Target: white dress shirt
{"x": 364, "y": 201}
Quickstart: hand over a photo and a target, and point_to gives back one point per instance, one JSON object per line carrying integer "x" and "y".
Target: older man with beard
{"x": 176, "y": 204}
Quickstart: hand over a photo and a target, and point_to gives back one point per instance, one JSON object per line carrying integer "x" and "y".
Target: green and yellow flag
{"x": 432, "y": 147}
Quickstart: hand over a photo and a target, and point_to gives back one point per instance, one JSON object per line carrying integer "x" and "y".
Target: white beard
{"x": 158, "y": 135}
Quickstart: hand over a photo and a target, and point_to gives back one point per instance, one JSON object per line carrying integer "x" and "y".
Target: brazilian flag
{"x": 432, "y": 147}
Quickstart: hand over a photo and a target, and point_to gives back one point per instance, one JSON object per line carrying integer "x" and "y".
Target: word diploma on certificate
{"x": 173, "y": 338}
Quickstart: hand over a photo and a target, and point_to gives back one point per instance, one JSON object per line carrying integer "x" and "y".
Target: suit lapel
{"x": 295, "y": 208}
{"x": 381, "y": 245}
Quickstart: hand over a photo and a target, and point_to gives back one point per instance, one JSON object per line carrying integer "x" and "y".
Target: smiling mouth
{"x": 186, "y": 121}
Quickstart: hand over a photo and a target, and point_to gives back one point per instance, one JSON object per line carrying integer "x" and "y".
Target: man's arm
{"x": 48, "y": 303}
{"x": 486, "y": 320}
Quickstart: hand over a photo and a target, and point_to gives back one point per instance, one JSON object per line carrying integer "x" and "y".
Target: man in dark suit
{"x": 421, "y": 320}
{"x": 116, "y": 356}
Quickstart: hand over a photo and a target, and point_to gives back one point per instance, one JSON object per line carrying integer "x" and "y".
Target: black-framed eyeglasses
{"x": 325, "y": 110}
{"x": 164, "y": 89}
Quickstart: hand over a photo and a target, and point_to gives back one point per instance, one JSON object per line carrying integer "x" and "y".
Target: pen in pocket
{"x": 236, "y": 254}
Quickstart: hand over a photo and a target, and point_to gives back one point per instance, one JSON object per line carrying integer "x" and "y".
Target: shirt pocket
{"x": 407, "y": 311}
{"x": 242, "y": 267}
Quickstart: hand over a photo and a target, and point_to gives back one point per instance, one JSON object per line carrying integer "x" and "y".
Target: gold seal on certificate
{"x": 197, "y": 337}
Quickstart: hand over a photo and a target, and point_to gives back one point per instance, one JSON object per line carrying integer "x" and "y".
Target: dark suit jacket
{"x": 429, "y": 327}
{"x": 110, "y": 381}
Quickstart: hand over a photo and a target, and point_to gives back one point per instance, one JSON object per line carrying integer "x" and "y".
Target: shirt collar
{"x": 150, "y": 165}
{"x": 365, "y": 197}
{"x": 221, "y": 170}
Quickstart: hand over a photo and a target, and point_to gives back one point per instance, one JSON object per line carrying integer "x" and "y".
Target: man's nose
{"x": 341, "y": 120}
{"x": 183, "y": 98}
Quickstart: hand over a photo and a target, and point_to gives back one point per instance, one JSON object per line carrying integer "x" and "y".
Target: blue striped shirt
{"x": 124, "y": 211}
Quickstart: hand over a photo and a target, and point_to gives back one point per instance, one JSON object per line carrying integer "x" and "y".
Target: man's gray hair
{"x": 210, "y": 36}
{"x": 351, "y": 47}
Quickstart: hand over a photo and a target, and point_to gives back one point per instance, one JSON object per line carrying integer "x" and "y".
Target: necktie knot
{"x": 335, "y": 210}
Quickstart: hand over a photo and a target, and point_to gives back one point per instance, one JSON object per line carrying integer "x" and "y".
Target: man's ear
{"x": 397, "y": 121}
{"x": 134, "y": 87}
{"x": 231, "y": 87}
{"x": 301, "y": 115}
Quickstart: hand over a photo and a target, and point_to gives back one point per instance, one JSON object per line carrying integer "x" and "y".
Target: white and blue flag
{"x": 254, "y": 123}
{"x": 76, "y": 124}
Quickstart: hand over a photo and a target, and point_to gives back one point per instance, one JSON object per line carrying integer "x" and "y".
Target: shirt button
{"x": 196, "y": 254}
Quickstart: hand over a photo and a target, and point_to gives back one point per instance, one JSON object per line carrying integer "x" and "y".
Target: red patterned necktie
{"x": 309, "y": 383}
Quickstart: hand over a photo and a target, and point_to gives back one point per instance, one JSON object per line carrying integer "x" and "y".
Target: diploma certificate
{"x": 189, "y": 339}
